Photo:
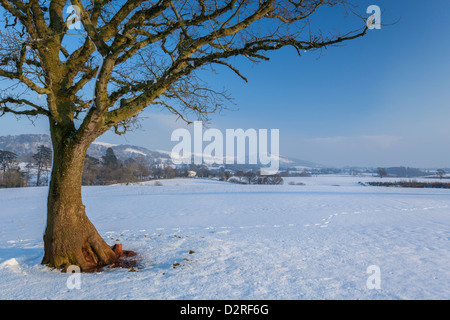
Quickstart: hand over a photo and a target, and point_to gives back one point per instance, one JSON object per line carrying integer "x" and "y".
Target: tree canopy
{"x": 136, "y": 53}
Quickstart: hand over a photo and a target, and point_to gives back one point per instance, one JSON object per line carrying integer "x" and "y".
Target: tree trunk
{"x": 70, "y": 238}
{"x": 38, "y": 178}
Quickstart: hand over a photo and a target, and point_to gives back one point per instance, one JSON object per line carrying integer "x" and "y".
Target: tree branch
{"x": 37, "y": 110}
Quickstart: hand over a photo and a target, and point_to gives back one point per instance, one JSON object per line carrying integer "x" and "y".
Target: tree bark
{"x": 70, "y": 238}
{"x": 38, "y": 178}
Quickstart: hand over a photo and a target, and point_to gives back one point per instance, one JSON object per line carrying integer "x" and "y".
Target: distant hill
{"x": 26, "y": 144}
{"x": 402, "y": 172}
{"x": 125, "y": 151}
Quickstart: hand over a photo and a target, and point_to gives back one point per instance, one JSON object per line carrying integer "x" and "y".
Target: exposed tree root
{"x": 91, "y": 262}
{"x": 123, "y": 259}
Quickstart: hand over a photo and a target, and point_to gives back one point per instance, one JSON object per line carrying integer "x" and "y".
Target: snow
{"x": 163, "y": 151}
{"x": 312, "y": 241}
{"x": 135, "y": 151}
{"x": 105, "y": 144}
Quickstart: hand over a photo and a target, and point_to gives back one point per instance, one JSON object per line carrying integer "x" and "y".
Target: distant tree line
{"x": 405, "y": 172}
{"x": 34, "y": 170}
{"x": 250, "y": 177}
{"x": 410, "y": 184}
{"x": 110, "y": 169}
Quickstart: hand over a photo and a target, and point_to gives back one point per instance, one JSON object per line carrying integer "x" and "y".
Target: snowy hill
{"x": 26, "y": 144}
{"x": 125, "y": 151}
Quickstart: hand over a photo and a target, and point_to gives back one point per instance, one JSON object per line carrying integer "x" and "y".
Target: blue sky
{"x": 382, "y": 100}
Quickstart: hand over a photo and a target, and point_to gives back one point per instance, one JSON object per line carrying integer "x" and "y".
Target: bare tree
{"x": 43, "y": 161}
{"x": 251, "y": 177}
{"x": 130, "y": 55}
{"x": 382, "y": 172}
{"x": 7, "y": 160}
{"x": 441, "y": 173}
{"x": 272, "y": 179}
{"x": 10, "y": 174}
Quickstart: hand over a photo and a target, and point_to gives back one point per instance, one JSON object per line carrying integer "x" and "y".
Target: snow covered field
{"x": 242, "y": 242}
